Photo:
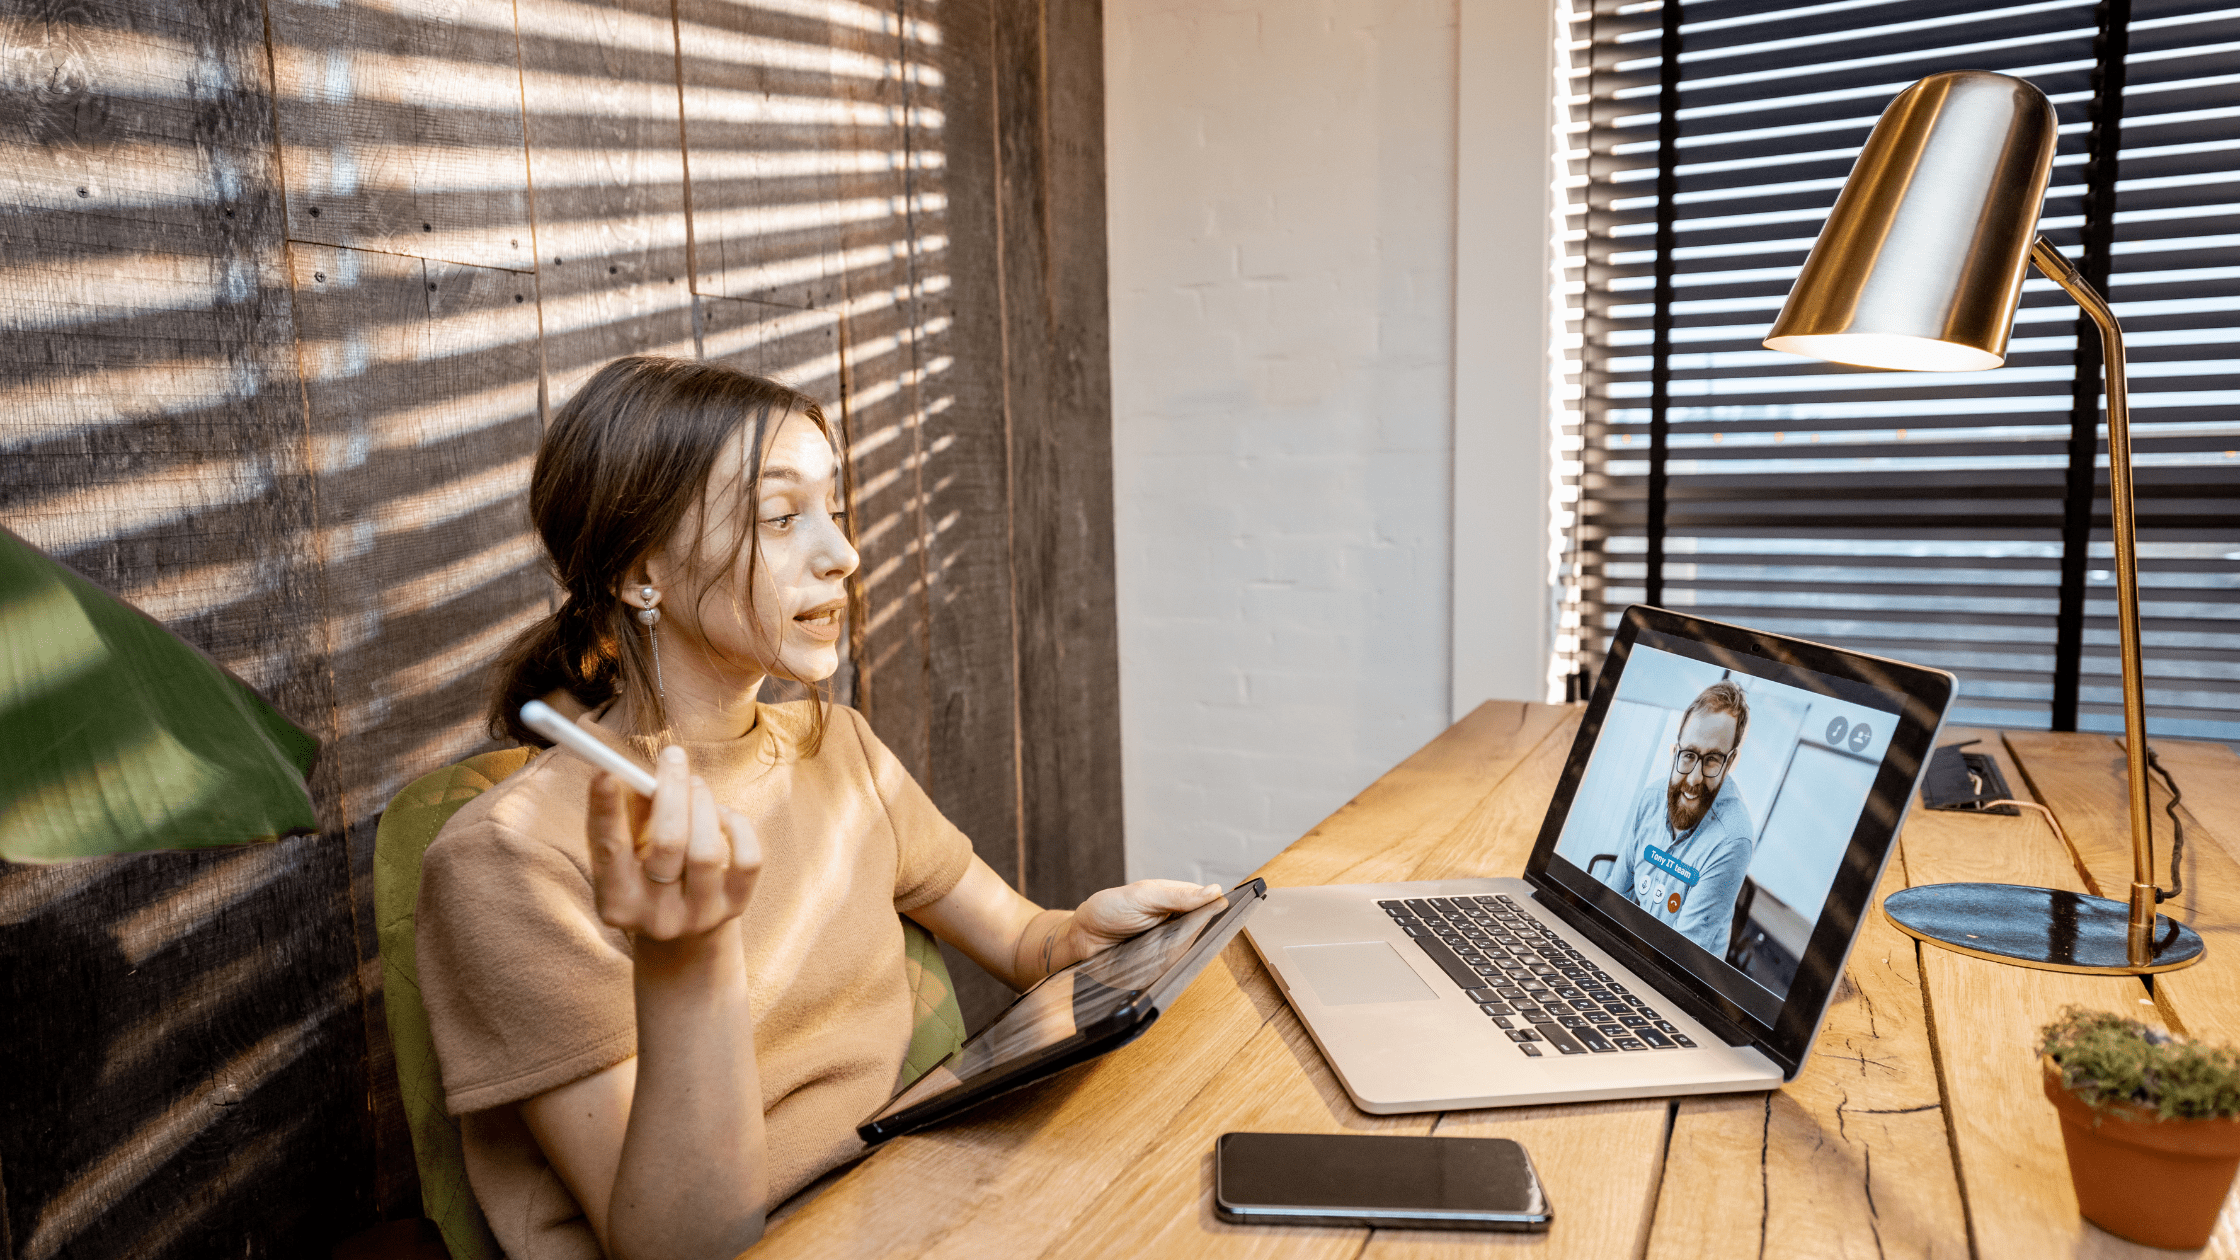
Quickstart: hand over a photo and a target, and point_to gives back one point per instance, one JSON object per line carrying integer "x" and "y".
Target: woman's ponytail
{"x": 570, "y": 652}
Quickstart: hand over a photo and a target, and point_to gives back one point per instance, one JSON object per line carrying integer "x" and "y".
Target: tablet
{"x": 1075, "y": 1014}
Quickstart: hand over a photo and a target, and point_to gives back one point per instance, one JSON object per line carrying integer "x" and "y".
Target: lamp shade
{"x": 1920, "y": 264}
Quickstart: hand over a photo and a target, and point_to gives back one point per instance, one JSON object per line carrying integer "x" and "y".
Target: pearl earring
{"x": 649, "y": 617}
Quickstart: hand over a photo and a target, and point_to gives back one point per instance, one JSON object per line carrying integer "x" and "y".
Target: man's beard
{"x": 1686, "y": 815}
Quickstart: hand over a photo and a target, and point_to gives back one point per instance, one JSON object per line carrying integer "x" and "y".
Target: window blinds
{"x": 1954, "y": 519}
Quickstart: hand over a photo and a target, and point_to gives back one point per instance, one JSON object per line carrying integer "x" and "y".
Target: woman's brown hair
{"x": 624, "y": 464}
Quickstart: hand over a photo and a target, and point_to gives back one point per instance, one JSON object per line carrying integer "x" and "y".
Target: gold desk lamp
{"x": 1920, "y": 266}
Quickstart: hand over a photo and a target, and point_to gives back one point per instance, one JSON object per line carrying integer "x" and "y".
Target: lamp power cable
{"x": 2170, "y": 807}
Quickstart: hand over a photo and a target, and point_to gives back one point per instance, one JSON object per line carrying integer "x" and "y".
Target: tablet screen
{"x": 1084, "y": 999}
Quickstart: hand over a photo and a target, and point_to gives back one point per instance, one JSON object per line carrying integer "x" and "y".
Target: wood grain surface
{"x": 2080, "y": 777}
{"x": 1600, "y": 1163}
{"x": 1849, "y": 1159}
{"x": 1986, "y": 1017}
{"x": 1916, "y": 1129}
{"x": 1105, "y": 1124}
{"x": 420, "y": 378}
{"x": 1047, "y": 68}
{"x": 1277, "y": 1083}
{"x": 785, "y": 171}
{"x": 400, "y": 129}
{"x": 606, "y": 178}
{"x": 2209, "y": 775}
{"x": 183, "y": 1032}
{"x": 958, "y": 369}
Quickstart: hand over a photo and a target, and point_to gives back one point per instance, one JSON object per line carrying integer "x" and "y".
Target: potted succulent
{"x": 2151, "y": 1123}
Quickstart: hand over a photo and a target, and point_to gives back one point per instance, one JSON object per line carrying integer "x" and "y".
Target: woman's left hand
{"x": 1112, "y": 916}
{"x": 1019, "y": 942}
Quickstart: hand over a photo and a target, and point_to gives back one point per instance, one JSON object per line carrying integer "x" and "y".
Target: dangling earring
{"x": 649, "y": 617}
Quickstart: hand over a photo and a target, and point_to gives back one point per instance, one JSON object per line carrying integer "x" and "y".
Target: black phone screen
{"x": 1298, "y": 1178}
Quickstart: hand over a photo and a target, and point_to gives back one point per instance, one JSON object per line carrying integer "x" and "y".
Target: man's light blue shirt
{"x": 1687, "y": 880}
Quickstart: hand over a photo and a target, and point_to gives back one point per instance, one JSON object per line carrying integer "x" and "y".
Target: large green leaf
{"x": 118, "y": 737}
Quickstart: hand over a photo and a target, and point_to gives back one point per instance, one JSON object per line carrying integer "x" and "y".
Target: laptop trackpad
{"x": 1359, "y": 972}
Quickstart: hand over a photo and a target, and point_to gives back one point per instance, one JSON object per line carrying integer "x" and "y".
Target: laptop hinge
{"x": 1662, "y": 980}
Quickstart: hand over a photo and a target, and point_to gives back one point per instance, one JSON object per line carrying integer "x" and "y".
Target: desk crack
{"x": 1765, "y": 1191}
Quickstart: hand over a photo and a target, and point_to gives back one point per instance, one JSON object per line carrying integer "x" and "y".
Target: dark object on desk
{"x": 2036, "y": 927}
{"x": 1383, "y": 1182}
{"x": 1091, "y": 1008}
{"x": 2046, "y": 928}
{"x": 1963, "y": 780}
{"x": 119, "y": 737}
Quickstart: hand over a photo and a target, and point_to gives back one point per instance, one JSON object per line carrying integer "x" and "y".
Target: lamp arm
{"x": 2057, "y": 269}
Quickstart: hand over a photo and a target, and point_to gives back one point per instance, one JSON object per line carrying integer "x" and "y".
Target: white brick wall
{"x": 1281, "y": 184}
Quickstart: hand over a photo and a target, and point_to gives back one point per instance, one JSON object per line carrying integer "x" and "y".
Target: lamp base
{"x": 2043, "y": 928}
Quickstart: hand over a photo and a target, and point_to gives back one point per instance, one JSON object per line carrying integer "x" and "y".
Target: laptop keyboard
{"x": 1531, "y": 982}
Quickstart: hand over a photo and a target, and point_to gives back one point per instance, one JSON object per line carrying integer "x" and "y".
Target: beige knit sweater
{"x": 527, "y": 990}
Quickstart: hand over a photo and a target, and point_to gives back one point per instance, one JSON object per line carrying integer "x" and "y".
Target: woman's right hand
{"x": 664, "y": 1151}
{"x": 677, "y": 866}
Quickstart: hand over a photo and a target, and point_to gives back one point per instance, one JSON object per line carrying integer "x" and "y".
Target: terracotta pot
{"x": 2153, "y": 1181}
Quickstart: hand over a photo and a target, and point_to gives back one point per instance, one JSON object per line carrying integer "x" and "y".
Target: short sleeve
{"x": 526, "y": 989}
{"x": 931, "y": 855}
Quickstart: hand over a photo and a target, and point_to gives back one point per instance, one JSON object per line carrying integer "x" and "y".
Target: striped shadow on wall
{"x": 292, "y": 288}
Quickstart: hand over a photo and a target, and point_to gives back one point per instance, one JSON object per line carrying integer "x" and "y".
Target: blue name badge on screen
{"x": 1673, "y": 866}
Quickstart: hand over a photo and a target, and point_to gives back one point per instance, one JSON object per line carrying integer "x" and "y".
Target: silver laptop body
{"x": 1404, "y": 1036}
{"x": 1493, "y": 992}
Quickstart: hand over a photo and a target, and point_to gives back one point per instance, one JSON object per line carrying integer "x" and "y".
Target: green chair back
{"x": 407, "y": 826}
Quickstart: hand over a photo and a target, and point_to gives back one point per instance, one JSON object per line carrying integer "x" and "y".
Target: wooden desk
{"x": 1918, "y": 1130}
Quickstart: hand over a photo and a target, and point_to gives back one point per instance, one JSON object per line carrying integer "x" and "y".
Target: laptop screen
{"x": 1718, "y": 808}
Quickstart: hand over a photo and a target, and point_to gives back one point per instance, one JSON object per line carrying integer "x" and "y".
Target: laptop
{"x": 1722, "y": 822}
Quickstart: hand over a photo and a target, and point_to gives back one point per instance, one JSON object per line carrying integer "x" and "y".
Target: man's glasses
{"x": 1686, "y": 760}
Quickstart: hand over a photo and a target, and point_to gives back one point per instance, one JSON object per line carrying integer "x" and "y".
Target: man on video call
{"x": 1689, "y": 842}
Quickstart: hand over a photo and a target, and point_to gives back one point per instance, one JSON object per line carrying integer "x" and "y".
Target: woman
{"x": 656, "y": 1018}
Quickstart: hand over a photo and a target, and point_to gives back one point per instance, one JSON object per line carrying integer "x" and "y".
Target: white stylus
{"x": 546, "y": 721}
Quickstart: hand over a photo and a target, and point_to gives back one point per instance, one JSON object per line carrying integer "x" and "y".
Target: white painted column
{"x": 1280, "y": 184}
{"x": 1503, "y": 597}
{"x": 1301, "y": 385}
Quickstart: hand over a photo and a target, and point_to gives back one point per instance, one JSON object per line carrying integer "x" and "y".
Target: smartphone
{"x": 1386, "y": 1182}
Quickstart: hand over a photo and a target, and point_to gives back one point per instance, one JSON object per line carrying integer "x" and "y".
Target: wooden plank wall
{"x": 291, "y": 287}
